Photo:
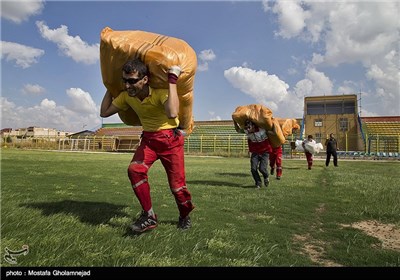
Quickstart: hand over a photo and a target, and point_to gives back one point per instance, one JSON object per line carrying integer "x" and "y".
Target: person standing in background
{"x": 309, "y": 154}
{"x": 331, "y": 150}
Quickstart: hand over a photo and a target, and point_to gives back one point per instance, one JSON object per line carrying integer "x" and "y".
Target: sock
{"x": 151, "y": 212}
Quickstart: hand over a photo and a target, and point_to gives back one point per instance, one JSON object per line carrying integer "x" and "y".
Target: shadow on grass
{"x": 93, "y": 213}
{"x": 209, "y": 183}
{"x": 295, "y": 167}
{"x": 233, "y": 174}
{"x": 130, "y": 233}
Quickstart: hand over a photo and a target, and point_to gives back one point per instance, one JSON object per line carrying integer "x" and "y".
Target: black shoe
{"x": 272, "y": 171}
{"x": 144, "y": 222}
{"x": 309, "y": 168}
{"x": 266, "y": 182}
{"x": 278, "y": 177}
{"x": 184, "y": 223}
{"x": 258, "y": 186}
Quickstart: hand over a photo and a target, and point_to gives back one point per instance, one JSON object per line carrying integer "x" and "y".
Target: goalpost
{"x": 74, "y": 144}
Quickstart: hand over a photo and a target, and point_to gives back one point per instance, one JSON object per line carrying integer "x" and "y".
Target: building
{"x": 336, "y": 114}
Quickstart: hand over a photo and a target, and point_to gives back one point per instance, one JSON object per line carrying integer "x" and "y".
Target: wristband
{"x": 172, "y": 78}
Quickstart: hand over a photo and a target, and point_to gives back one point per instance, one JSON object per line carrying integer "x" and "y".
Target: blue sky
{"x": 268, "y": 52}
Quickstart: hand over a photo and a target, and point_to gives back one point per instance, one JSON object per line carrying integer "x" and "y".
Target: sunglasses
{"x": 131, "y": 81}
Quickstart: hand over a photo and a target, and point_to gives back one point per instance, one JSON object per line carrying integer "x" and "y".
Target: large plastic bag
{"x": 313, "y": 148}
{"x": 159, "y": 53}
{"x": 287, "y": 126}
{"x": 262, "y": 117}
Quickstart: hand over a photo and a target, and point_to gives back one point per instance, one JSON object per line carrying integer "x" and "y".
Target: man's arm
{"x": 171, "y": 106}
{"x": 107, "y": 108}
{"x": 237, "y": 127}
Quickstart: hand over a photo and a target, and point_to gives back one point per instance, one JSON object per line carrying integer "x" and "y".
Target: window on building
{"x": 318, "y": 137}
{"x": 318, "y": 122}
{"x": 343, "y": 124}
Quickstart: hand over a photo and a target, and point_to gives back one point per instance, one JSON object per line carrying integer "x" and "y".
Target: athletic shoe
{"x": 184, "y": 223}
{"x": 266, "y": 182}
{"x": 144, "y": 222}
{"x": 258, "y": 186}
{"x": 278, "y": 177}
{"x": 272, "y": 171}
{"x": 309, "y": 168}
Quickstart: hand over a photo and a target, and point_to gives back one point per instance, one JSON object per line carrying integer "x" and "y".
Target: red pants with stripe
{"x": 275, "y": 158}
{"x": 166, "y": 145}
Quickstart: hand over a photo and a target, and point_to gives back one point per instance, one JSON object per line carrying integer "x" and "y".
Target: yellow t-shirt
{"x": 150, "y": 111}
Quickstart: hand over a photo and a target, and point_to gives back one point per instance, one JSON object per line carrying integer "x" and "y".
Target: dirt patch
{"x": 314, "y": 249}
{"x": 388, "y": 234}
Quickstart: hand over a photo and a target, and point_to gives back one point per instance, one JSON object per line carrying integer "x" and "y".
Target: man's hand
{"x": 173, "y": 74}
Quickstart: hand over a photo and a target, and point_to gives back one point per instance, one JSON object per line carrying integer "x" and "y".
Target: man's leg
{"x": 264, "y": 158}
{"x": 328, "y": 158}
{"x": 334, "y": 158}
{"x": 174, "y": 165}
{"x": 279, "y": 163}
{"x": 137, "y": 172}
{"x": 254, "y": 161}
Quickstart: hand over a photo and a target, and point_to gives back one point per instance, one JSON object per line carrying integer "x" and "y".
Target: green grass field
{"x": 74, "y": 209}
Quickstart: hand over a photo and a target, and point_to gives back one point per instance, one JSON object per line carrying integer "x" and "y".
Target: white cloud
{"x": 348, "y": 87}
{"x": 24, "y": 56}
{"x": 350, "y": 32}
{"x": 266, "y": 89}
{"x": 202, "y": 67}
{"x": 33, "y": 89}
{"x": 18, "y": 11}
{"x": 207, "y": 55}
{"x": 74, "y": 47}
{"x": 291, "y": 18}
{"x": 49, "y": 114}
{"x": 315, "y": 83}
{"x": 361, "y": 32}
{"x": 213, "y": 117}
{"x": 204, "y": 57}
{"x": 81, "y": 101}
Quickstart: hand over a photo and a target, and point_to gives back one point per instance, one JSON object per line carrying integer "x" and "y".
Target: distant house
{"x": 34, "y": 132}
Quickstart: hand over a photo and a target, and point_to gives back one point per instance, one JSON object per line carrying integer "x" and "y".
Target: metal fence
{"x": 87, "y": 143}
{"x": 217, "y": 144}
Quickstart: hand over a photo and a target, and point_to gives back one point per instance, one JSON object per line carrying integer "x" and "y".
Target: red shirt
{"x": 258, "y": 141}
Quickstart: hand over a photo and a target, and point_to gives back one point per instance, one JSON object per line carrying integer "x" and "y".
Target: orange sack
{"x": 288, "y": 125}
{"x": 262, "y": 117}
{"x": 159, "y": 53}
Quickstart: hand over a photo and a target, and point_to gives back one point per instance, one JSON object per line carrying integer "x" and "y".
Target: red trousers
{"x": 166, "y": 145}
{"x": 275, "y": 158}
{"x": 309, "y": 157}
